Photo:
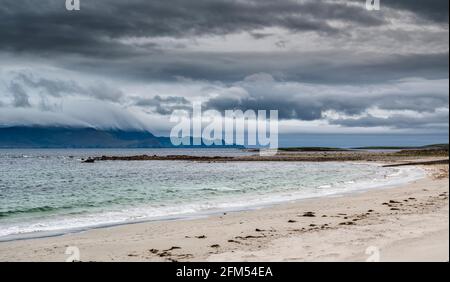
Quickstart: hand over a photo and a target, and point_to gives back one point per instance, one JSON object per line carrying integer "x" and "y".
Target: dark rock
{"x": 309, "y": 214}
{"x": 173, "y": 248}
{"x": 164, "y": 254}
{"x": 347, "y": 223}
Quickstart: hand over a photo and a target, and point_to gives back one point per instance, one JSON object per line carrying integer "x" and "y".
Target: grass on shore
{"x": 427, "y": 147}
{"x": 434, "y": 149}
{"x": 312, "y": 149}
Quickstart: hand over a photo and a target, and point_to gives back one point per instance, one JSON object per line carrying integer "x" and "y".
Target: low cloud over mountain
{"x": 327, "y": 66}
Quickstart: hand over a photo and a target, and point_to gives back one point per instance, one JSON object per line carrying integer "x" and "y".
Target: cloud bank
{"x": 329, "y": 65}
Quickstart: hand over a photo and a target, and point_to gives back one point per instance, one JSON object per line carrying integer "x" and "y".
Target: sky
{"x": 329, "y": 67}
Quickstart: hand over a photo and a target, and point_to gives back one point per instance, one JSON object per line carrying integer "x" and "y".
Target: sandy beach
{"x": 406, "y": 223}
{"x": 225, "y": 131}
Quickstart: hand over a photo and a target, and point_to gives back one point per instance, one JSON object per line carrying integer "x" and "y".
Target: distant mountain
{"x": 68, "y": 137}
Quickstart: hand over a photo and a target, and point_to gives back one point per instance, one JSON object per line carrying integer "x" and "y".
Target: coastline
{"x": 340, "y": 228}
{"x": 404, "y": 176}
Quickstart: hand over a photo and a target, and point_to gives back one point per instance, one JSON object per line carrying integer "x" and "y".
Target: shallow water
{"x": 51, "y": 190}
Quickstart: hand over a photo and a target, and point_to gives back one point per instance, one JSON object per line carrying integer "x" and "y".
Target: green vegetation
{"x": 312, "y": 149}
{"x": 383, "y": 148}
{"x": 427, "y": 147}
{"x": 436, "y": 147}
{"x": 428, "y": 150}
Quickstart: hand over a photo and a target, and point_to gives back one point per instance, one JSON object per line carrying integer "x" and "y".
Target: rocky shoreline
{"x": 405, "y": 156}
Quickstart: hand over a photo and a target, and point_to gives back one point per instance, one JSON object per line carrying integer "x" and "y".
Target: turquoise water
{"x": 51, "y": 191}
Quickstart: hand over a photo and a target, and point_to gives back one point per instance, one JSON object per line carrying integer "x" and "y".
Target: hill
{"x": 69, "y": 137}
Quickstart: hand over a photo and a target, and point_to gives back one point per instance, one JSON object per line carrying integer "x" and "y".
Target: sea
{"x": 49, "y": 192}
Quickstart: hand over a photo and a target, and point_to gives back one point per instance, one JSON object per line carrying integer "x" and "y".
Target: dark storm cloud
{"x": 28, "y": 26}
{"x": 313, "y": 108}
{"x": 88, "y": 40}
{"x": 288, "y": 107}
{"x": 340, "y": 67}
{"x": 109, "y": 39}
{"x": 435, "y": 10}
{"x": 46, "y": 27}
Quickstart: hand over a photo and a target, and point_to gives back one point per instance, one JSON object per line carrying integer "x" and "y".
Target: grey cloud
{"x": 55, "y": 88}
{"x": 48, "y": 27}
{"x": 59, "y": 88}
{"x": 435, "y": 10}
{"x": 260, "y": 35}
{"x": 92, "y": 41}
{"x": 312, "y": 108}
{"x": 20, "y": 97}
{"x": 87, "y": 41}
{"x": 338, "y": 67}
{"x": 102, "y": 91}
{"x": 163, "y": 105}
{"x": 288, "y": 107}
{"x": 435, "y": 121}
{"x": 89, "y": 113}
{"x": 423, "y": 103}
{"x": 297, "y": 101}
{"x": 281, "y": 43}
